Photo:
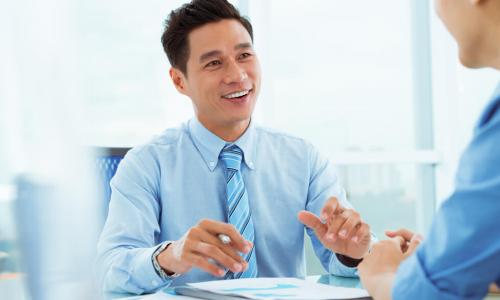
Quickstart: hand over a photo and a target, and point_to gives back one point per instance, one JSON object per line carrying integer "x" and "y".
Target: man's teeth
{"x": 236, "y": 95}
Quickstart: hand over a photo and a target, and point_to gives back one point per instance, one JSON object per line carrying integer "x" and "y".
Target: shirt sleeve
{"x": 323, "y": 184}
{"x": 461, "y": 256}
{"x": 131, "y": 232}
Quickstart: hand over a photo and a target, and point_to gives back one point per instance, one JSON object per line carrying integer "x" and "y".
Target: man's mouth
{"x": 237, "y": 95}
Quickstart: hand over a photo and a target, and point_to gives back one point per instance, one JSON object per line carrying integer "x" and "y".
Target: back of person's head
{"x": 190, "y": 16}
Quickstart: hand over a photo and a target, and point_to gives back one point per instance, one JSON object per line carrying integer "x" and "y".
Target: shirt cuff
{"x": 159, "y": 270}
{"x": 145, "y": 272}
{"x": 411, "y": 282}
{"x": 337, "y": 268}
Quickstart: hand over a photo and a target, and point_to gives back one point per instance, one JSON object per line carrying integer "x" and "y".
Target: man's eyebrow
{"x": 209, "y": 54}
{"x": 213, "y": 53}
{"x": 243, "y": 46}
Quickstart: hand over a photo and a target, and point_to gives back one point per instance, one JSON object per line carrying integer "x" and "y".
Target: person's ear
{"x": 179, "y": 80}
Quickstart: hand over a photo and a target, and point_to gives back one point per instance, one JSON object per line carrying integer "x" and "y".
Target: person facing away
{"x": 219, "y": 173}
{"x": 460, "y": 257}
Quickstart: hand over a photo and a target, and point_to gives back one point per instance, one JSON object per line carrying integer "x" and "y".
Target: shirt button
{"x": 154, "y": 282}
{"x": 212, "y": 164}
{"x": 250, "y": 164}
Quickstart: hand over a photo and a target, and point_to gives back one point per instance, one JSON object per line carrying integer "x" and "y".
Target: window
{"x": 128, "y": 93}
{"x": 337, "y": 72}
{"x": 346, "y": 75}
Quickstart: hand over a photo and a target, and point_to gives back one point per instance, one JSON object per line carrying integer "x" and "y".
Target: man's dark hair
{"x": 190, "y": 16}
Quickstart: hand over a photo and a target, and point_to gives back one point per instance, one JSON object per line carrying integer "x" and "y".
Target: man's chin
{"x": 239, "y": 120}
{"x": 470, "y": 61}
{"x": 239, "y": 115}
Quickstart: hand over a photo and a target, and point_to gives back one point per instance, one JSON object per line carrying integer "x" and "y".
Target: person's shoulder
{"x": 481, "y": 158}
{"x": 284, "y": 143}
{"x": 278, "y": 136}
{"x": 163, "y": 142}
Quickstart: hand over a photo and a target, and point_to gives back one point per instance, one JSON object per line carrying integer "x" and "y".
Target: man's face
{"x": 223, "y": 75}
{"x": 463, "y": 22}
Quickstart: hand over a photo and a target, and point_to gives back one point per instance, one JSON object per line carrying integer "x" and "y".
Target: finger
{"x": 350, "y": 226}
{"x": 237, "y": 240}
{"x": 400, "y": 241}
{"x": 329, "y": 208}
{"x": 202, "y": 263}
{"x": 206, "y": 237}
{"x": 363, "y": 234}
{"x": 414, "y": 243}
{"x": 335, "y": 223}
{"x": 312, "y": 221}
{"x": 404, "y": 233}
{"x": 404, "y": 247}
{"x": 403, "y": 243}
{"x": 211, "y": 251}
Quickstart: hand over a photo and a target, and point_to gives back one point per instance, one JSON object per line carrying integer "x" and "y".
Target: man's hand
{"x": 200, "y": 247}
{"x": 339, "y": 229}
{"x": 406, "y": 235}
{"x": 379, "y": 267}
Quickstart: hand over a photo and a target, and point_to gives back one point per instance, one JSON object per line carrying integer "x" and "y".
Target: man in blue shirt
{"x": 461, "y": 256}
{"x": 220, "y": 197}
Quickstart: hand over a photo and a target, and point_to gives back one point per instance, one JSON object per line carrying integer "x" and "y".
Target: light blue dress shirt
{"x": 167, "y": 186}
{"x": 461, "y": 255}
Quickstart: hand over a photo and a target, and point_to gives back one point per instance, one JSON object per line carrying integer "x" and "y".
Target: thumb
{"x": 312, "y": 221}
{"x": 390, "y": 233}
{"x": 414, "y": 243}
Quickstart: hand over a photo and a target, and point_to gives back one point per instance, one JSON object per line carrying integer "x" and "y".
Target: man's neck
{"x": 493, "y": 33}
{"x": 496, "y": 59}
{"x": 228, "y": 133}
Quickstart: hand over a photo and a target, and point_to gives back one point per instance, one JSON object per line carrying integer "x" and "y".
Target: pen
{"x": 224, "y": 238}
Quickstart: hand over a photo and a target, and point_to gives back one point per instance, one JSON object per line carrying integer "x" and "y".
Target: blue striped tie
{"x": 238, "y": 208}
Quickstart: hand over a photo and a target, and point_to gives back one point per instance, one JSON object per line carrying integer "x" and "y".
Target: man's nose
{"x": 234, "y": 73}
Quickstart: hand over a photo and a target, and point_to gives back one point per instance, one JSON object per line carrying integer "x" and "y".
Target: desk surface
{"x": 12, "y": 287}
{"x": 346, "y": 282}
{"x": 325, "y": 279}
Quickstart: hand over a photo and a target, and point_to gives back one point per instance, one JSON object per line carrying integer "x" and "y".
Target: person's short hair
{"x": 190, "y": 16}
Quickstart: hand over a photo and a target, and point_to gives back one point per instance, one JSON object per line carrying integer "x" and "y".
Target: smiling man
{"x": 220, "y": 197}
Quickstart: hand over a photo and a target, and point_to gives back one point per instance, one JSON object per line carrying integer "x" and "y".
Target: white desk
{"x": 12, "y": 287}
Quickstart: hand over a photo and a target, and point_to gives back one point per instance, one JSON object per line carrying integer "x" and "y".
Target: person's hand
{"x": 200, "y": 247}
{"x": 406, "y": 235}
{"x": 378, "y": 268}
{"x": 339, "y": 229}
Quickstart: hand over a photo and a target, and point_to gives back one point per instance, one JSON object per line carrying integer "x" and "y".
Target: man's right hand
{"x": 200, "y": 247}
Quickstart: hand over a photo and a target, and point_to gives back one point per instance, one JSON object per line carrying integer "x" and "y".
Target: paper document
{"x": 269, "y": 289}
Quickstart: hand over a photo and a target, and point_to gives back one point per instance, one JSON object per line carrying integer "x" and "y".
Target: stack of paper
{"x": 269, "y": 289}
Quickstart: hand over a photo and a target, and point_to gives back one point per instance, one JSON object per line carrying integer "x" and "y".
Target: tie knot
{"x": 231, "y": 155}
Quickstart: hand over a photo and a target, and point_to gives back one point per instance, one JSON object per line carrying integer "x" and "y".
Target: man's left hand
{"x": 339, "y": 229}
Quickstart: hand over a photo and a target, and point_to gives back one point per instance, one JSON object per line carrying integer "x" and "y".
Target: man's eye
{"x": 213, "y": 63}
{"x": 245, "y": 55}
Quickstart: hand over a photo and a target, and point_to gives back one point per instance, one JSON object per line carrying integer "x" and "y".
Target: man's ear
{"x": 179, "y": 80}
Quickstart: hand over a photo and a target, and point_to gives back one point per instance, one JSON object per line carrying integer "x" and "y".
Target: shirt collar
{"x": 209, "y": 145}
{"x": 491, "y": 108}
